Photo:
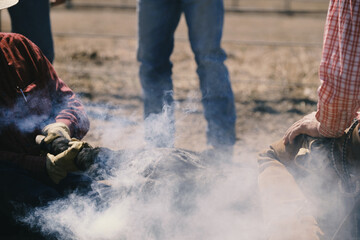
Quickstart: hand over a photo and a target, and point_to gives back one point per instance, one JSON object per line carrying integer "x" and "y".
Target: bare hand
{"x": 308, "y": 125}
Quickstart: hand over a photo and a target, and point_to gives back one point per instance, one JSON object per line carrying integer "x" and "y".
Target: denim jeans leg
{"x": 157, "y": 23}
{"x": 205, "y": 22}
{"x": 31, "y": 18}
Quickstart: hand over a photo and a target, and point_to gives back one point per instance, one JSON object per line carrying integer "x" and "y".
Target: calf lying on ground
{"x": 173, "y": 178}
{"x": 95, "y": 159}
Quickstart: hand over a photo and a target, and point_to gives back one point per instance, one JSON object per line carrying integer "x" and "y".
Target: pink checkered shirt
{"x": 339, "y": 93}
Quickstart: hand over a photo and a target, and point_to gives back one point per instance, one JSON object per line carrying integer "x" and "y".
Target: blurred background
{"x": 231, "y": 5}
{"x": 273, "y": 47}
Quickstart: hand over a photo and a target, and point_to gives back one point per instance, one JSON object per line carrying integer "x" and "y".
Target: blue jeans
{"x": 158, "y": 20}
{"x": 31, "y": 18}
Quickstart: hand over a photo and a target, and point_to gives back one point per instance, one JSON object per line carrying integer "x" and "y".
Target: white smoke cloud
{"x": 158, "y": 193}
{"x": 167, "y": 193}
{"x": 197, "y": 202}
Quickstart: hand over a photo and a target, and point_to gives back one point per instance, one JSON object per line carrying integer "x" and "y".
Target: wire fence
{"x": 279, "y": 6}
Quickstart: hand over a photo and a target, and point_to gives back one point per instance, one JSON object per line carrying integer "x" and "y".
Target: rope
{"x": 345, "y": 177}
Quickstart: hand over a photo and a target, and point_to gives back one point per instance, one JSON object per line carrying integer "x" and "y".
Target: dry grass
{"x": 273, "y": 62}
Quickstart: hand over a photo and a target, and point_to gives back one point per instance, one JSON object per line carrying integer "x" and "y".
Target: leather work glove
{"x": 287, "y": 211}
{"x": 296, "y": 227}
{"x": 55, "y": 130}
{"x": 59, "y": 165}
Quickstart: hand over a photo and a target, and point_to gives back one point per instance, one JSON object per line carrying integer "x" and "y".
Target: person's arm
{"x": 339, "y": 93}
{"x": 66, "y": 107}
{"x": 339, "y": 72}
{"x": 286, "y": 209}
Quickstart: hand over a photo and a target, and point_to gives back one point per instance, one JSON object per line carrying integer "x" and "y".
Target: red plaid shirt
{"x": 339, "y": 93}
{"x": 32, "y": 96}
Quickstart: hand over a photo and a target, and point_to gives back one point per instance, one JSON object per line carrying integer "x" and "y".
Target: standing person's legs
{"x": 157, "y": 21}
{"x": 205, "y": 21}
{"x": 31, "y": 18}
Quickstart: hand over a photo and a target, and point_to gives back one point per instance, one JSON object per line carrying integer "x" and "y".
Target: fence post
{"x": 235, "y": 3}
{"x": 69, "y": 4}
{"x": 287, "y": 5}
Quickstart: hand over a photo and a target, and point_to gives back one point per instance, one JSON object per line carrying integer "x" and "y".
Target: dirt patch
{"x": 272, "y": 60}
{"x": 273, "y": 63}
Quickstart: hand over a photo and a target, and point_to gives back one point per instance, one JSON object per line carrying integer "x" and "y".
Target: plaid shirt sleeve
{"x": 339, "y": 92}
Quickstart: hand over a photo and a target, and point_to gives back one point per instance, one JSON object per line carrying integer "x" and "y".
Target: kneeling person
{"x": 309, "y": 188}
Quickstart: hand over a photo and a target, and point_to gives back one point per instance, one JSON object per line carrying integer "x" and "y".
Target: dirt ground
{"x": 272, "y": 59}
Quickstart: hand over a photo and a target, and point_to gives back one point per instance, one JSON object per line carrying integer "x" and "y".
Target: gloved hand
{"x": 296, "y": 227}
{"x": 59, "y": 165}
{"x": 55, "y": 130}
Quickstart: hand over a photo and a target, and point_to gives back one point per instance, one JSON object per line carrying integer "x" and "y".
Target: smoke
{"x": 160, "y": 128}
{"x": 170, "y": 193}
{"x": 15, "y": 117}
{"x": 157, "y": 193}
{"x": 306, "y": 199}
